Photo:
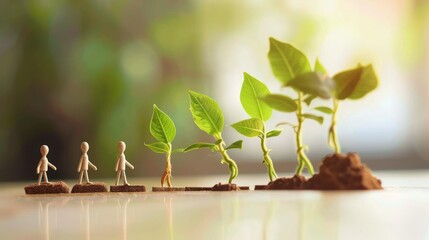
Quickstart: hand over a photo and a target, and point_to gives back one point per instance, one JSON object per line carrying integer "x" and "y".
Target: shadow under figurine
{"x": 45, "y": 187}
{"x": 121, "y": 164}
{"x": 84, "y": 163}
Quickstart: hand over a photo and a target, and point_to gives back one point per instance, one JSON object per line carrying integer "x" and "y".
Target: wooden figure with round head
{"x": 84, "y": 163}
{"x": 121, "y": 164}
{"x": 43, "y": 165}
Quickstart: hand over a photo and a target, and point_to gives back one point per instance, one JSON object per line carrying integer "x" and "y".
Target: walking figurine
{"x": 121, "y": 164}
{"x": 42, "y": 167}
{"x": 84, "y": 162}
{"x": 47, "y": 187}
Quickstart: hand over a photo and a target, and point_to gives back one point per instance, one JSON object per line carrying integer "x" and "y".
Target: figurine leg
{"x": 125, "y": 178}
{"x": 118, "y": 176}
{"x": 46, "y": 177}
{"x": 80, "y": 177}
{"x": 86, "y": 177}
{"x": 40, "y": 177}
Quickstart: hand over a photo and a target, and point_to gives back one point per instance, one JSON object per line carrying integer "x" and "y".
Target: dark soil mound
{"x": 225, "y": 187}
{"x": 168, "y": 189}
{"x": 89, "y": 187}
{"x": 128, "y": 188}
{"x": 47, "y": 188}
{"x": 343, "y": 172}
{"x": 294, "y": 183}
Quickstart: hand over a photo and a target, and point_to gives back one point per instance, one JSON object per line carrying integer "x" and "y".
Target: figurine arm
{"x": 52, "y": 166}
{"x": 92, "y": 166}
{"x": 117, "y": 164}
{"x": 80, "y": 165}
{"x": 38, "y": 167}
{"x": 129, "y": 164}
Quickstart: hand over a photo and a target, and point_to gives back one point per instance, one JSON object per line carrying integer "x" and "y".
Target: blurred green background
{"x": 73, "y": 71}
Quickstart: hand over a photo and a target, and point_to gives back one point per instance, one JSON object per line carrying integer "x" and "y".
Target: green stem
{"x": 333, "y": 136}
{"x": 302, "y": 157}
{"x": 233, "y": 169}
{"x": 267, "y": 159}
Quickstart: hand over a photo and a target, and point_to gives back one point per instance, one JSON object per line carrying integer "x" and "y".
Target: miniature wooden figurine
{"x": 45, "y": 187}
{"x": 121, "y": 164}
{"x": 43, "y": 165}
{"x": 84, "y": 163}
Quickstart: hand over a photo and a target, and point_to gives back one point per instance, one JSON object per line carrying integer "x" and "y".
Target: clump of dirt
{"x": 225, "y": 187}
{"x": 128, "y": 188}
{"x": 294, "y": 183}
{"x": 343, "y": 172}
{"x": 47, "y": 188}
{"x": 89, "y": 187}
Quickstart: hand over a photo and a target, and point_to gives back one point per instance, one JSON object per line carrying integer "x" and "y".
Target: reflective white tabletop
{"x": 401, "y": 211}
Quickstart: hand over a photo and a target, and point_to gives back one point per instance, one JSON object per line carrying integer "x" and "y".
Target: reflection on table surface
{"x": 395, "y": 213}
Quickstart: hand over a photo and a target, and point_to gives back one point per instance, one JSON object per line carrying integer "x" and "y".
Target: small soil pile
{"x": 89, "y": 187}
{"x": 225, "y": 187}
{"x": 343, "y": 172}
{"x": 128, "y": 188}
{"x": 294, "y": 183}
{"x": 168, "y": 189}
{"x": 47, "y": 188}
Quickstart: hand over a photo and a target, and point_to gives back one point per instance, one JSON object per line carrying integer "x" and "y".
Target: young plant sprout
{"x": 209, "y": 117}
{"x": 251, "y": 92}
{"x": 292, "y": 69}
{"x": 350, "y": 84}
{"x": 162, "y": 128}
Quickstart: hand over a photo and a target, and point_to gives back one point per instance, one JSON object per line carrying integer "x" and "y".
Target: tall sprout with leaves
{"x": 162, "y": 129}
{"x": 209, "y": 117}
{"x": 349, "y": 84}
{"x": 251, "y": 92}
{"x": 292, "y": 69}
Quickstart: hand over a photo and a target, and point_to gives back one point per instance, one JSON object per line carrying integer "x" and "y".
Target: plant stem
{"x": 233, "y": 169}
{"x": 267, "y": 159}
{"x": 333, "y": 136}
{"x": 167, "y": 171}
{"x": 302, "y": 157}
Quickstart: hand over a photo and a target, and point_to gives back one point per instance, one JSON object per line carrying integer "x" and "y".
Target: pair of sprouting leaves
{"x": 252, "y": 91}
{"x": 292, "y": 69}
{"x": 208, "y": 116}
{"x": 162, "y": 129}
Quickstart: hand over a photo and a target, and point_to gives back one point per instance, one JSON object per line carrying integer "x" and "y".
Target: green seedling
{"x": 251, "y": 92}
{"x": 292, "y": 69}
{"x": 163, "y": 129}
{"x": 350, "y": 84}
{"x": 209, "y": 117}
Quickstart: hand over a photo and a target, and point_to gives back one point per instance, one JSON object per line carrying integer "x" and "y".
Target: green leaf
{"x": 286, "y": 61}
{"x": 280, "y": 102}
{"x": 274, "y": 133}
{"x": 309, "y": 99}
{"x": 195, "y": 146}
{"x": 318, "y": 119}
{"x": 158, "y": 147}
{"x": 323, "y": 109}
{"x": 318, "y": 67}
{"x": 355, "y": 83}
{"x": 178, "y": 150}
{"x": 313, "y": 83}
{"x": 206, "y": 113}
{"x": 161, "y": 126}
{"x": 251, "y": 91}
{"x": 237, "y": 144}
{"x": 252, "y": 127}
